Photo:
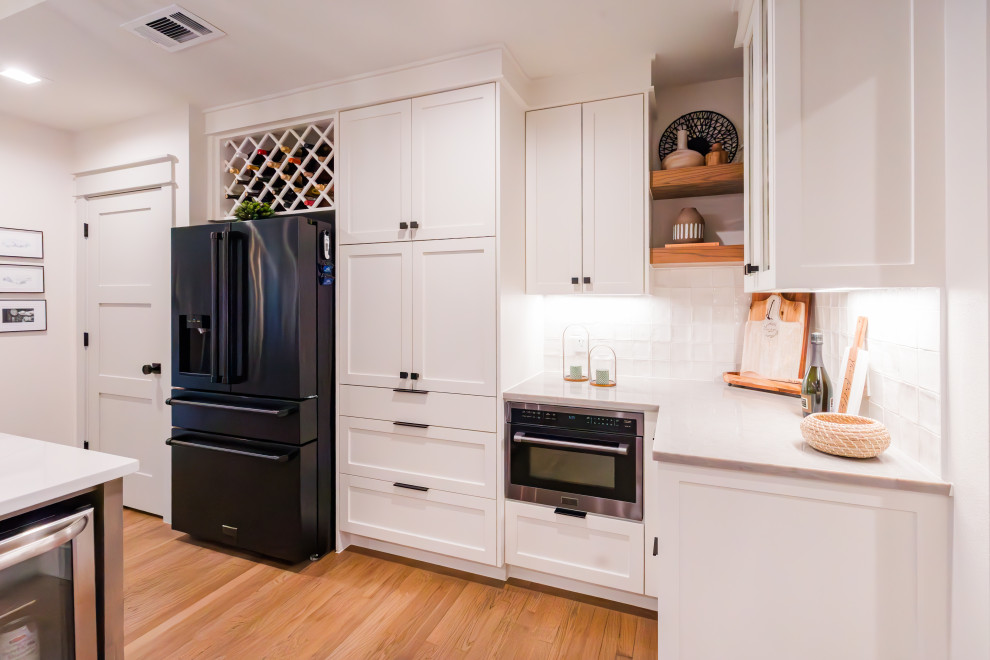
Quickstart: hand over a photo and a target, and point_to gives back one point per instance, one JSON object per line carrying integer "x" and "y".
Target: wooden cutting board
{"x": 794, "y": 308}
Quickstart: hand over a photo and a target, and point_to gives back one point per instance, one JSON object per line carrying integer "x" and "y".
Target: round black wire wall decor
{"x": 705, "y": 128}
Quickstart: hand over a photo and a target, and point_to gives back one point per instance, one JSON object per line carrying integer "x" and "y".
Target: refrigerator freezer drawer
{"x": 257, "y": 496}
{"x": 274, "y": 420}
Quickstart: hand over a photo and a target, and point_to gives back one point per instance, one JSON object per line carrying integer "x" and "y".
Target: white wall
{"x": 177, "y": 131}
{"x": 723, "y": 213}
{"x": 37, "y": 385}
{"x": 967, "y": 283}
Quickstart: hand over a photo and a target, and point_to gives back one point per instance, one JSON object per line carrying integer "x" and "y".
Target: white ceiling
{"x": 98, "y": 74}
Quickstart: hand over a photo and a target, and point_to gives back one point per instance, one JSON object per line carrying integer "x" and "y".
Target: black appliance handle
{"x": 225, "y": 305}
{"x": 408, "y": 391}
{"x": 274, "y": 458}
{"x": 522, "y": 438}
{"x": 276, "y": 412}
{"x": 214, "y": 306}
{"x": 561, "y": 511}
{"x": 421, "y": 489}
{"x": 413, "y": 425}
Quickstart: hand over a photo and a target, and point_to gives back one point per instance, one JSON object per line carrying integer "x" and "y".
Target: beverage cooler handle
{"x": 214, "y": 305}
{"x": 42, "y": 539}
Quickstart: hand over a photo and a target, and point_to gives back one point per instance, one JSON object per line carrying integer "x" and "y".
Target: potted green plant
{"x": 252, "y": 209}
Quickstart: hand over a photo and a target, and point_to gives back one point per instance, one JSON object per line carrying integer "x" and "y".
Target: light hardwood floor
{"x": 185, "y": 599}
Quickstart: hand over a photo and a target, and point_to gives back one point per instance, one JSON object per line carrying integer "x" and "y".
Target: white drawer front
{"x": 454, "y": 460}
{"x": 458, "y": 411}
{"x": 596, "y": 549}
{"x": 446, "y": 523}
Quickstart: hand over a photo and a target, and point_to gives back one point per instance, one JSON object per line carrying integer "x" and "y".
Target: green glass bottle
{"x": 816, "y": 388}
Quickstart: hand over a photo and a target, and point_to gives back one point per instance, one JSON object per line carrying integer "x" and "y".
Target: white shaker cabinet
{"x": 844, "y": 143}
{"x": 586, "y": 221}
{"x": 419, "y": 169}
{"x": 421, "y": 311}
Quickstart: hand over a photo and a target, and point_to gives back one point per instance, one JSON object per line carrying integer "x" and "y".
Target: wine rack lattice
{"x": 292, "y": 169}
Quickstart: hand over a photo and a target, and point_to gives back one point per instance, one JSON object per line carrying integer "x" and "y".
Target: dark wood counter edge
{"x": 107, "y": 500}
{"x": 825, "y": 476}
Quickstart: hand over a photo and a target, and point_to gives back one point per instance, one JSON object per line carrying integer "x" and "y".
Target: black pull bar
{"x": 408, "y": 391}
{"x": 274, "y": 458}
{"x": 277, "y": 412}
{"x": 570, "y": 512}
{"x": 412, "y": 425}
{"x": 421, "y": 489}
{"x": 656, "y": 546}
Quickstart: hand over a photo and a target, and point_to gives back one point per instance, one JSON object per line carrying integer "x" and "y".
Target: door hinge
{"x": 85, "y": 339}
{"x": 85, "y": 230}
{"x": 85, "y": 444}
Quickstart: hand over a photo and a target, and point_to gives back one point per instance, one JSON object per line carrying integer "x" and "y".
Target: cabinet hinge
{"x": 85, "y": 444}
{"x": 85, "y": 339}
{"x": 85, "y": 230}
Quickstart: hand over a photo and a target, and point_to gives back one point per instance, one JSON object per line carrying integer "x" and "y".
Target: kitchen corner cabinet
{"x": 418, "y": 169}
{"x": 844, "y": 143}
{"x": 757, "y": 566}
{"x": 586, "y": 179}
{"x": 425, "y": 309}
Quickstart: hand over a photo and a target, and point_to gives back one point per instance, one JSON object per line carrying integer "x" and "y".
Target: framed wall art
{"x": 23, "y": 315}
{"x": 27, "y": 243}
{"x": 20, "y": 278}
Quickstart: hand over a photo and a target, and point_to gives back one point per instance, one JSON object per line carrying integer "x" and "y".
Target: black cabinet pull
{"x": 406, "y": 390}
{"x": 561, "y": 511}
{"x": 414, "y": 224}
{"x": 656, "y": 546}
{"x": 403, "y": 374}
{"x": 153, "y": 368}
{"x": 574, "y": 280}
{"x": 587, "y": 280}
{"x": 403, "y": 225}
{"x": 421, "y": 489}
{"x": 413, "y": 425}
{"x": 414, "y": 376}
{"x": 749, "y": 269}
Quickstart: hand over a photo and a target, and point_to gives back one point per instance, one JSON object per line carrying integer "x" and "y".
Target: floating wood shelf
{"x": 697, "y": 181}
{"x": 696, "y": 255}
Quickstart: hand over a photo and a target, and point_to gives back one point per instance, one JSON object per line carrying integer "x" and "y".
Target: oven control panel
{"x": 603, "y": 421}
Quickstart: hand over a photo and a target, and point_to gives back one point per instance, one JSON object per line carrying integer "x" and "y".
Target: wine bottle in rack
{"x": 322, "y": 153}
{"x": 233, "y": 170}
{"x": 258, "y": 160}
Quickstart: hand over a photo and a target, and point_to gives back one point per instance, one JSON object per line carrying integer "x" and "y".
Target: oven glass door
{"x": 598, "y": 465}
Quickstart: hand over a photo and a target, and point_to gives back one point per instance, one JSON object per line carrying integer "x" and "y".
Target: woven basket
{"x": 845, "y": 435}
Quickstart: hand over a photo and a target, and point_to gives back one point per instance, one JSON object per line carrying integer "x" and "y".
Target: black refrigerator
{"x": 252, "y": 376}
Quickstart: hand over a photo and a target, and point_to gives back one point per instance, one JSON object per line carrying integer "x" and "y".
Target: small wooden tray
{"x": 754, "y": 382}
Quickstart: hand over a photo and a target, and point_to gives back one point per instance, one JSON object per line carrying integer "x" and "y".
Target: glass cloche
{"x": 575, "y": 342}
{"x": 603, "y": 366}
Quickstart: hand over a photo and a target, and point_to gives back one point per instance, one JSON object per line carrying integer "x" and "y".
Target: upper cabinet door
{"x": 374, "y": 181}
{"x": 614, "y": 192}
{"x": 453, "y": 164}
{"x": 856, "y": 143}
{"x": 553, "y": 200}
{"x": 375, "y": 325}
{"x": 454, "y": 315}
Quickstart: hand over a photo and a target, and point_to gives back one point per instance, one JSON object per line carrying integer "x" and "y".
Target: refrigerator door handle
{"x": 214, "y": 306}
{"x": 275, "y": 412}
{"x": 225, "y": 306}
{"x": 275, "y": 458}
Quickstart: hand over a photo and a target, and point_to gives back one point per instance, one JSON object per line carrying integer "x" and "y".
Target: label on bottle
{"x": 806, "y": 403}
{"x": 20, "y": 642}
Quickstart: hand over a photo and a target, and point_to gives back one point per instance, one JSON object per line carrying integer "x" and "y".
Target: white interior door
{"x": 375, "y": 325}
{"x": 127, "y": 318}
{"x": 453, "y": 172}
{"x": 614, "y": 190}
{"x": 553, "y": 200}
{"x": 374, "y": 186}
{"x": 454, "y": 315}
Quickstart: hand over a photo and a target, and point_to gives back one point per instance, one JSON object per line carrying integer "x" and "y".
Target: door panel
{"x": 553, "y": 200}
{"x": 454, "y": 315}
{"x": 453, "y": 164}
{"x": 127, "y": 316}
{"x": 374, "y": 183}
{"x": 614, "y": 191}
{"x": 376, "y": 314}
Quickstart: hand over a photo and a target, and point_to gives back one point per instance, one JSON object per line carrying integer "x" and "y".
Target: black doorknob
{"x": 153, "y": 368}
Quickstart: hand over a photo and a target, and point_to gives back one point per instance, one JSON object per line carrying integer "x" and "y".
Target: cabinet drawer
{"x": 433, "y": 520}
{"x": 458, "y": 411}
{"x": 454, "y": 460}
{"x": 594, "y": 549}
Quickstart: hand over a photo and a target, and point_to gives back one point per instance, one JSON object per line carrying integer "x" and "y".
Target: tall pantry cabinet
{"x": 430, "y": 210}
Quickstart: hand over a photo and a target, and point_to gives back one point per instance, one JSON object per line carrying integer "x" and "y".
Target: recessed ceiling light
{"x": 20, "y": 76}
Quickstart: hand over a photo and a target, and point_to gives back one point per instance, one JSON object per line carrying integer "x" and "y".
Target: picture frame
{"x": 25, "y": 243}
{"x": 22, "y": 278}
{"x": 23, "y": 316}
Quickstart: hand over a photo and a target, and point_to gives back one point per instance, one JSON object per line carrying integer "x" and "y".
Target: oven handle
{"x": 621, "y": 450}
{"x": 41, "y": 539}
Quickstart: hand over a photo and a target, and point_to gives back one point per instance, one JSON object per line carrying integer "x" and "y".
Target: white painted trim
{"x": 152, "y": 173}
{"x": 567, "y": 584}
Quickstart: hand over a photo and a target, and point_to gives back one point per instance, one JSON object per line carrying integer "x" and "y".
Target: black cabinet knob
{"x": 403, "y": 225}
{"x": 587, "y": 280}
{"x": 574, "y": 280}
{"x": 403, "y": 374}
{"x": 749, "y": 269}
{"x": 153, "y": 368}
{"x": 414, "y": 376}
{"x": 414, "y": 224}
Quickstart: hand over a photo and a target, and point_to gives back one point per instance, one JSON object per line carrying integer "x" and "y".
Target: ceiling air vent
{"x": 173, "y": 28}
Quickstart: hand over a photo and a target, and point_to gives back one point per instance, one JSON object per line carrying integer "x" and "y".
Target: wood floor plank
{"x": 187, "y": 599}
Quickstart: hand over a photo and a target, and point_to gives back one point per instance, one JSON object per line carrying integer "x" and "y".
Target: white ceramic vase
{"x": 682, "y": 157}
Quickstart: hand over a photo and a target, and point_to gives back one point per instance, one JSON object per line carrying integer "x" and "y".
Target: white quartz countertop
{"x": 33, "y": 472}
{"x": 713, "y": 425}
